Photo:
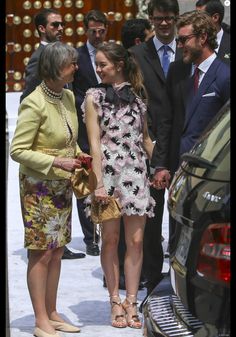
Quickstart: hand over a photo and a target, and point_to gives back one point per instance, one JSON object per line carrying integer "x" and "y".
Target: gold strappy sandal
{"x": 117, "y": 321}
{"x": 133, "y": 320}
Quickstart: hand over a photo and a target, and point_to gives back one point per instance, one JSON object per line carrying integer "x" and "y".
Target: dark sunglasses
{"x": 184, "y": 38}
{"x": 94, "y": 31}
{"x": 56, "y": 24}
{"x": 159, "y": 19}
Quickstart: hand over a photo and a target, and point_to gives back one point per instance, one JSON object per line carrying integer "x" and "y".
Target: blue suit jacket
{"x": 190, "y": 117}
{"x": 84, "y": 79}
{"x": 212, "y": 94}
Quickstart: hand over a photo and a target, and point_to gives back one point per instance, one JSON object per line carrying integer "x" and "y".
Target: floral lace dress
{"x": 121, "y": 117}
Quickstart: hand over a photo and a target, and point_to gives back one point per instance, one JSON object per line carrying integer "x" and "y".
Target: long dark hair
{"x": 116, "y": 53}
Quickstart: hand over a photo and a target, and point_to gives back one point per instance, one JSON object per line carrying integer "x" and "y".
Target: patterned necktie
{"x": 196, "y": 79}
{"x": 165, "y": 59}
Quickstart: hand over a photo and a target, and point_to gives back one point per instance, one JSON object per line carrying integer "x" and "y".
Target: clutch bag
{"x": 83, "y": 182}
{"x": 101, "y": 213}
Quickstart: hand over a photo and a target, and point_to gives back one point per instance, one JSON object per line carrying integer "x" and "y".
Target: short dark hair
{"x": 215, "y": 6}
{"x": 132, "y": 29}
{"x": 212, "y": 7}
{"x": 41, "y": 18}
{"x": 203, "y": 2}
{"x": 163, "y": 6}
{"x": 95, "y": 15}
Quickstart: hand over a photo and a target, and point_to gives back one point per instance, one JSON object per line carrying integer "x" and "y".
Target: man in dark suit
{"x": 151, "y": 56}
{"x": 50, "y": 27}
{"x": 95, "y": 25}
{"x": 216, "y": 11}
{"x": 195, "y": 99}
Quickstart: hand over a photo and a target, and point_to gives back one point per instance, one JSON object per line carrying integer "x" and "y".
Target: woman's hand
{"x": 67, "y": 164}
{"x": 101, "y": 196}
{"x": 85, "y": 159}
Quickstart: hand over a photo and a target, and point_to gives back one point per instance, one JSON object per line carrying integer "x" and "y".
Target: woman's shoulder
{"x": 34, "y": 98}
{"x": 96, "y": 94}
{"x": 97, "y": 90}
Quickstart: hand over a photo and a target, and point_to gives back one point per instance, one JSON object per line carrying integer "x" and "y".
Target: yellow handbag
{"x": 83, "y": 182}
{"x": 101, "y": 213}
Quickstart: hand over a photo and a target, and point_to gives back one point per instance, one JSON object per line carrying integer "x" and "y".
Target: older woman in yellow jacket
{"x": 45, "y": 145}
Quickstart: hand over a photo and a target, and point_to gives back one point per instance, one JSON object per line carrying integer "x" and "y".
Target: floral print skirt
{"x": 47, "y": 211}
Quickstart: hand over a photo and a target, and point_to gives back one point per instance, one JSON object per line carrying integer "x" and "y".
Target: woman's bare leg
{"x": 54, "y": 270}
{"x": 37, "y": 275}
{"x": 134, "y": 231}
{"x": 109, "y": 255}
{"x": 110, "y": 265}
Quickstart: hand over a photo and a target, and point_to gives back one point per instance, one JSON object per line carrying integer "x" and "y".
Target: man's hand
{"x": 161, "y": 179}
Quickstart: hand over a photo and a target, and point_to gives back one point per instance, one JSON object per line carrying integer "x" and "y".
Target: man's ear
{"x": 215, "y": 18}
{"x": 41, "y": 28}
{"x": 203, "y": 38}
{"x": 137, "y": 41}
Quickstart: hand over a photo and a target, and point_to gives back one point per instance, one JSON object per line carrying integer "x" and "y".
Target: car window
{"x": 210, "y": 157}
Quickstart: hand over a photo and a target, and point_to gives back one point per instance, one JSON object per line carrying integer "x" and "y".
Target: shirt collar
{"x": 158, "y": 44}
{"x": 91, "y": 48}
{"x": 219, "y": 37}
{"x": 205, "y": 65}
{"x": 44, "y": 42}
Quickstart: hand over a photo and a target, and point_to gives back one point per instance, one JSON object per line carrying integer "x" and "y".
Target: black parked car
{"x": 195, "y": 299}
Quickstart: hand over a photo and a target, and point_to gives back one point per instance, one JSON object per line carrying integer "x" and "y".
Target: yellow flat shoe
{"x": 63, "y": 326}
{"x": 40, "y": 333}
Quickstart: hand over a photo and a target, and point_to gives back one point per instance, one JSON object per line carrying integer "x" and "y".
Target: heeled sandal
{"x": 117, "y": 321}
{"x": 133, "y": 321}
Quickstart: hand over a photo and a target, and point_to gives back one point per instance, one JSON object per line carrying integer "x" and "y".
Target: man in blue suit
{"x": 195, "y": 100}
{"x": 95, "y": 25}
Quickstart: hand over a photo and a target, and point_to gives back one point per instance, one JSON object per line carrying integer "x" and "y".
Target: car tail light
{"x": 214, "y": 256}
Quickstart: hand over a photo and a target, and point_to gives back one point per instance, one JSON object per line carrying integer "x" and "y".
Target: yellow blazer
{"x": 42, "y": 134}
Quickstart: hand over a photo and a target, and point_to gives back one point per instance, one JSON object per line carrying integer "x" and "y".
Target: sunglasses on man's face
{"x": 184, "y": 38}
{"x": 56, "y": 24}
{"x": 94, "y": 31}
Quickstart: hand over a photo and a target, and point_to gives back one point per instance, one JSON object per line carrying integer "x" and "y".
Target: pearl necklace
{"x": 49, "y": 92}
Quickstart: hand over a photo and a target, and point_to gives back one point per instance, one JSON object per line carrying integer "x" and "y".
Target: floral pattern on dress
{"x": 123, "y": 156}
{"x": 46, "y": 210}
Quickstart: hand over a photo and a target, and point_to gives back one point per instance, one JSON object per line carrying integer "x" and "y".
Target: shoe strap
{"x": 130, "y": 303}
{"x": 113, "y": 302}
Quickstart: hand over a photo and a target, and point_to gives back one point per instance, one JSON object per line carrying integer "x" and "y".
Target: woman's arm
{"x": 93, "y": 131}
{"x": 147, "y": 142}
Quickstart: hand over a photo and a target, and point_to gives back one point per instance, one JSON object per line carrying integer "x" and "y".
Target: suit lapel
{"x": 152, "y": 57}
{"x": 206, "y": 82}
{"x": 224, "y": 50}
{"x": 185, "y": 82}
{"x": 178, "y": 54}
{"x": 87, "y": 64}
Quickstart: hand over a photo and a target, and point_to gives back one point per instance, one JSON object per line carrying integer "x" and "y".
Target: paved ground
{"x": 81, "y": 296}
